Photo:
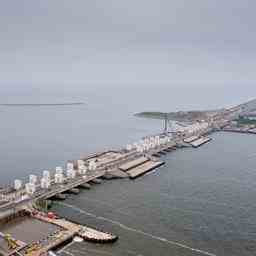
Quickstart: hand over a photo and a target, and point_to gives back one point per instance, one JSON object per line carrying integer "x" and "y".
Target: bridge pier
{"x": 74, "y": 191}
{"x": 96, "y": 181}
{"x": 60, "y": 196}
{"x": 85, "y": 186}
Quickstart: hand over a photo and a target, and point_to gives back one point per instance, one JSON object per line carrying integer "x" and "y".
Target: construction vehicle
{"x": 32, "y": 248}
{"x": 12, "y": 243}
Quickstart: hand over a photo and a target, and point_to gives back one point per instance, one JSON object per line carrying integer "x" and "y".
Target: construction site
{"x": 31, "y": 232}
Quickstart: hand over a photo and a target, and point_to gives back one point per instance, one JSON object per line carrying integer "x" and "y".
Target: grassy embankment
{"x": 245, "y": 121}
{"x": 152, "y": 115}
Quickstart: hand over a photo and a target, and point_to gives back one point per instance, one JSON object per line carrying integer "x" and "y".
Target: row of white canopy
{"x": 59, "y": 176}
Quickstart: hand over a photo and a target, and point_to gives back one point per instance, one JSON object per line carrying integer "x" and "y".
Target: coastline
{"x": 40, "y": 104}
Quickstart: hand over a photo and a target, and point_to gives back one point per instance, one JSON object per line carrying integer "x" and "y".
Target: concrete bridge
{"x": 113, "y": 160}
{"x": 61, "y": 188}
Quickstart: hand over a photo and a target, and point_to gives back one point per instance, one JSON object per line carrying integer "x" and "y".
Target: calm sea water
{"x": 203, "y": 199}
{"x": 202, "y": 202}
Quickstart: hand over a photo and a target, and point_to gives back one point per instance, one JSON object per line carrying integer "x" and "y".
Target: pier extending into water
{"x": 44, "y": 232}
{"x": 132, "y": 161}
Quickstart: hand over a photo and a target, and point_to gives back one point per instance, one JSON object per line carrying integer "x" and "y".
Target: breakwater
{"x": 41, "y": 104}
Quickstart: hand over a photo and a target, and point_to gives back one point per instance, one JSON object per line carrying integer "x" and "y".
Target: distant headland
{"x": 40, "y": 104}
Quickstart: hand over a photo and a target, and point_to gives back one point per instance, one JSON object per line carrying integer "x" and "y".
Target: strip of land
{"x": 40, "y": 104}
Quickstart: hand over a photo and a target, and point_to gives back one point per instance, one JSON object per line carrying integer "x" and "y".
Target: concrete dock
{"x": 199, "y": 142}
{"x": 127, "y": 166}
{"x": 92, "y": 235}
{"x": 71, "y": 228}
{"x": 240, "y": 130}
{"x": 190, "y": 139}
{"x": 115, "y": 174}
{"x": 35, "y": 233}
{"x": 143, "y": 168}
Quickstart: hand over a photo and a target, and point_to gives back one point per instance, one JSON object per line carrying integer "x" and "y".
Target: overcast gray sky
{"x": 82, "y": 42}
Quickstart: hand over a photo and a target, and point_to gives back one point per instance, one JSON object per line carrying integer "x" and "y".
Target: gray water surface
{"x": 202, "y": 202}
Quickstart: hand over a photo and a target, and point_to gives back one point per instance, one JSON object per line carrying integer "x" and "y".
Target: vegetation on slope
{"x": 245, "y": 121}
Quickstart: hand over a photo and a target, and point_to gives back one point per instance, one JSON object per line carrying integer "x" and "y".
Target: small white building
{"x": 59, "y": 170}
{"x": 32, "y": 179}
{"x": 46, "y": 174}
{"x": 30, "y": 188}
{"x": 70, "y": 166}
{"x": 92, "y": 165}
{"x": 17, "y": 184}
{"x": 129, "y": 147}
{"x": 71, "y": 174}
{"x": 45, "y": 183}
{"x": 58, "y": 178}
